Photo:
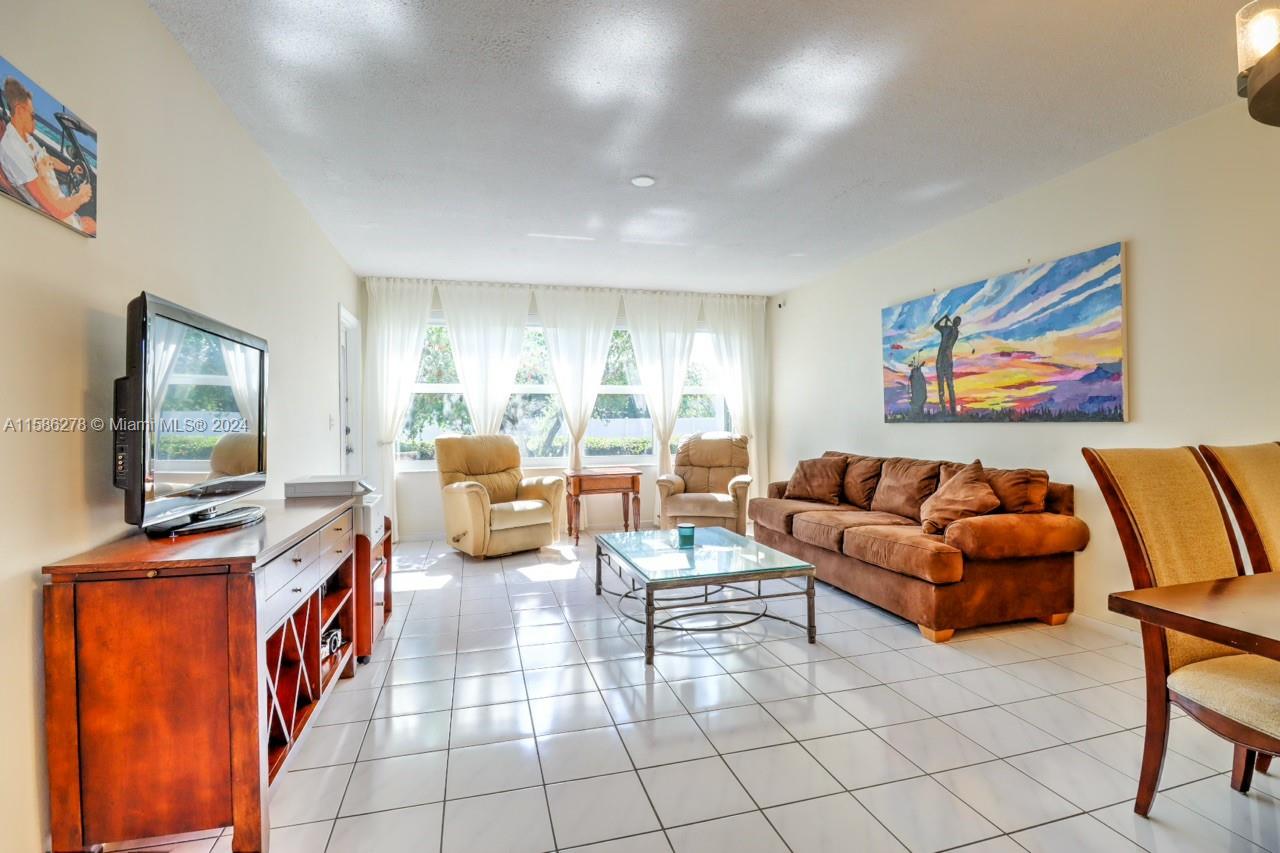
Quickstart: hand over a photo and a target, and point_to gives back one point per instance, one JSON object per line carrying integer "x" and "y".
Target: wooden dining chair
{"x": 1174, "y": 529}
{"x": 1250, "y": 478}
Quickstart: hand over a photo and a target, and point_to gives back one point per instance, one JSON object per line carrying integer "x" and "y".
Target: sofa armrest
{"x": 549, "y": 489}
{"x": 1005, "y": 536}
{"x": 466, "y": 517}
{"x": 778, "y": 489}
{"x": 670, "y": 484}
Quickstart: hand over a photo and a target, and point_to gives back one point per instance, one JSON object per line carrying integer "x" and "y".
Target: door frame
{"x": 350, "y": 399}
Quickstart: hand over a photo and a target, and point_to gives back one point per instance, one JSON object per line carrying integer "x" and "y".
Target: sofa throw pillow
{"x": 964, "y": 495}
{"x": 903, "y": 486}
{"x": 817, "y": 480}
{"x": 861, "y": 476}
{"x": 1019, "y": 490}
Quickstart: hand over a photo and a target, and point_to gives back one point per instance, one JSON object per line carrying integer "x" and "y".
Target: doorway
{"x": 350, "y": 421}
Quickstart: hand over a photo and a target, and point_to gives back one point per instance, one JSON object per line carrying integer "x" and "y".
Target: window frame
{"x": 646, "y": 459}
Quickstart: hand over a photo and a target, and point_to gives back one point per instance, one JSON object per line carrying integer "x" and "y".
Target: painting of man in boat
{"x": 48, "y": 154}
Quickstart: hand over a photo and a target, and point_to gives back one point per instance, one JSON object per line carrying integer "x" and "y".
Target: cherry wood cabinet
{"x": 180, "y": 672}
{"x": 373, "y": 588}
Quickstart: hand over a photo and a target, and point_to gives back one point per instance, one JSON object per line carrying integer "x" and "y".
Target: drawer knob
{"x": 339, "y": 529}
{"x": 297, "y": 559}
{"x": 337, "y": 550}
{"x": 296, "y": 589}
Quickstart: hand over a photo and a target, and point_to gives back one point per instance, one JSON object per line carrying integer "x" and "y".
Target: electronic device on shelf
{"x": 330, "y": 642}
{"x": 189, "y": 427}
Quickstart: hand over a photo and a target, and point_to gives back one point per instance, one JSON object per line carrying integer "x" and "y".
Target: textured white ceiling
{"x": 495, "y": 139}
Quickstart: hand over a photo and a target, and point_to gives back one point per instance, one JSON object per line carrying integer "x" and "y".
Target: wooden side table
{"x": 603, "y": 481}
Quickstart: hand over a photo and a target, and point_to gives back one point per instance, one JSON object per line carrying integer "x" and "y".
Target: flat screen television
{"x": 190, "y": 420}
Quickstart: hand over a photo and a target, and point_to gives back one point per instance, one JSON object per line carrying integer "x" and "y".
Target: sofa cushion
{"x": 904, "y": 485}
{"x": 1019, "y": 489}
{"x": 1006, "y": 535}
{"x": 819, "y": 479}
{"x": 962, "y": 496}
{"x": 907, "y": 551}
{"x": 777, "y": 513}
{"x": 508, "y": 514}
{"x": 825, "y": 528}
{"x": 861, "y": 474}
{"x": 713, "y": 504}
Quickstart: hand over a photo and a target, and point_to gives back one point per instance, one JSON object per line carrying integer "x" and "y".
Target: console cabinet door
{"x": 151, "y": 665}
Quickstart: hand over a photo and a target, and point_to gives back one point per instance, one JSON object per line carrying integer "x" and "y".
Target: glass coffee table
{"x": 652, "y": 562}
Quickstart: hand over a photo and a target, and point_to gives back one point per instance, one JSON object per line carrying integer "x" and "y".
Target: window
{"x": 438, "y": 407}
{"x": 620, "y": 424}
{"x": 702, "y": 406}
{"x": 197, "y": 390}
{"x": 620, "y": 428}
{"x": 533, "y": 415}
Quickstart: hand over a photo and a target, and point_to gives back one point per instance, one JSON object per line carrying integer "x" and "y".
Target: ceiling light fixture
{"x": 1258, "y": 54}
{"x": 643, "y": 181}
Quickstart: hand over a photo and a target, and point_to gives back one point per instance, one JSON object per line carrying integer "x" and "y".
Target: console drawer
{"x": 338, "y": 550}
{"x": 278, "y": 572}
{"x": 289, "y": 597}
{"x": 336, "y": 533}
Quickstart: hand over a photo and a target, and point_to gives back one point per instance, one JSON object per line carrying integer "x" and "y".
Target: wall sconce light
{"x": 1258, "y": 54}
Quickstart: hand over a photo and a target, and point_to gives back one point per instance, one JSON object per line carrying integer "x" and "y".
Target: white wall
{"x": 1197, "y": 206}
{"x": 189, "y": 209}
{"x": 422, "y": 513}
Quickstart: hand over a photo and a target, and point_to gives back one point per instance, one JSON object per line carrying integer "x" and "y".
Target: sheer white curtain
{"x": 662, "y": 327}
{"x": 399, "y": 313}
{"x": 165, "y": 339}
{"x": 243, "y": 369}
{"x": 486, "y": 328}
{"x": 578, "y": 324}
{"x": 737, "y": 323}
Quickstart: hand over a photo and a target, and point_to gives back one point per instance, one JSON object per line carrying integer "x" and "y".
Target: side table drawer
{"x": 619, "y": 483}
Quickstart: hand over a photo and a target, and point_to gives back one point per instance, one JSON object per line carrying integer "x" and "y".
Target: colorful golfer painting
{"x": 1045, "y": 343}
{"x": 48, "y": 155}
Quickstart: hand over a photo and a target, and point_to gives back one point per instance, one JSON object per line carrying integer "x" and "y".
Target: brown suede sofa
{"x": 1016, "y": 562}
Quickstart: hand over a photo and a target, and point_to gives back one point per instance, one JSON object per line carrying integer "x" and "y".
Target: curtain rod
{"x": 514, "y": 284}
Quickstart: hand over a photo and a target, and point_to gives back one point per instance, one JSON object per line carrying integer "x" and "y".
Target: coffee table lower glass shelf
{"x": 651, "y": 561}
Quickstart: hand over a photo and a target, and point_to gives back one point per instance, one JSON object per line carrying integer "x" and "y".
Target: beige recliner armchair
{"x": 490, "y": 507}
{"x": 709, "y": 487}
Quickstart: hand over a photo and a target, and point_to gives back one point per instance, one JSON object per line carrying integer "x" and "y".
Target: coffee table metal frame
{"x": 654, "y": 604}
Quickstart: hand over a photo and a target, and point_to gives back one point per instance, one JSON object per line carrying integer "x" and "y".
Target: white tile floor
{"x": 509, "y": 709}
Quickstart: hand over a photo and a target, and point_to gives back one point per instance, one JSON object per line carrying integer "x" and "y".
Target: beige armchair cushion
{"x": 701, "y": 503}
{"x": 510, "y": 514}
{"x": 493, "y": 461}
{"x": 490, "y": 507}
{"x": 707, "y": 462}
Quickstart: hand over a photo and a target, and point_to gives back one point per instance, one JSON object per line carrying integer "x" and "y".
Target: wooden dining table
{"x": 1239, "y": 612}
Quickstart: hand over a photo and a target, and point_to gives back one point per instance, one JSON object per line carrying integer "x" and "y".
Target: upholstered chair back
{"x": 1173, "y": 526}
{"x": 707, "y": 462}
{"x": 1250, "y": 477}
{"x": 493, "y": 461}
{"x": 235, "y": 454}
